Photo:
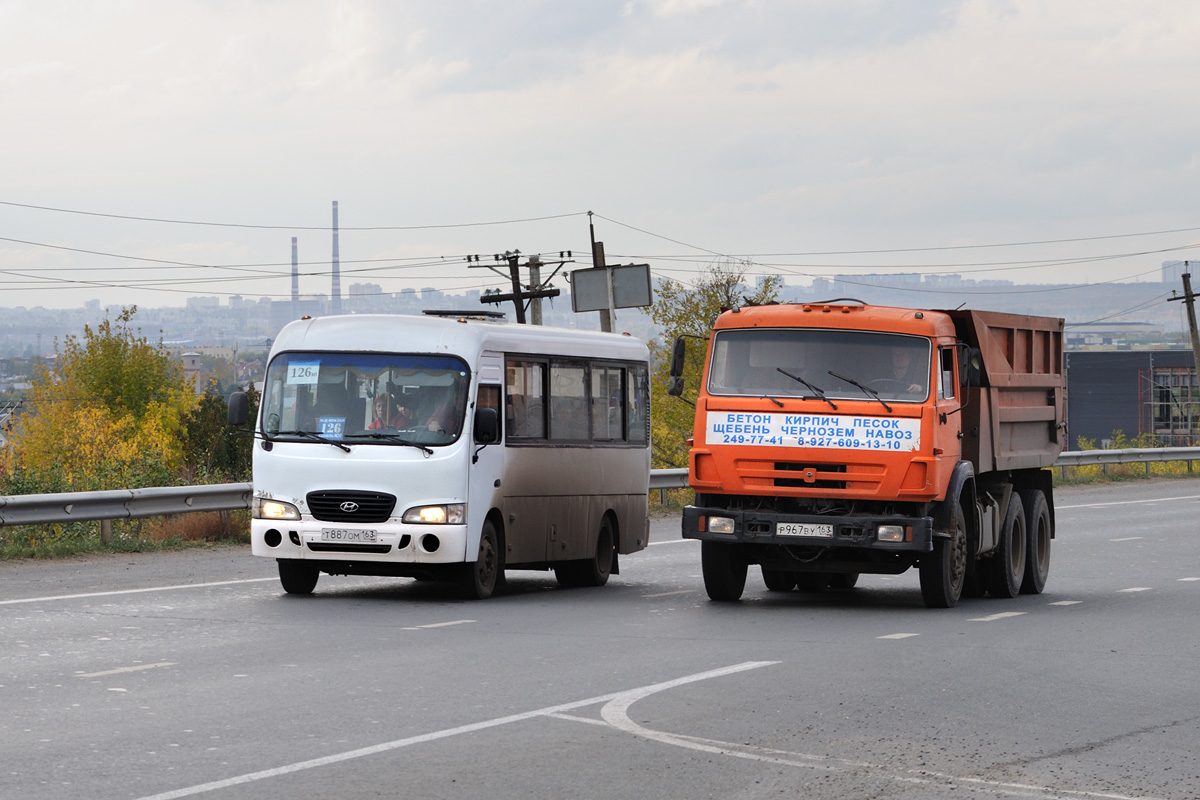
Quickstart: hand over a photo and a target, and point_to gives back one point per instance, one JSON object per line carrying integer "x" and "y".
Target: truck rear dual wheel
{"x": 944, "y": 570}
{"x": 1005, "y": 570}
{"x": 1038, "y": 532}
{"x": 779, "y": 580}
{"x": 724, "y": 567}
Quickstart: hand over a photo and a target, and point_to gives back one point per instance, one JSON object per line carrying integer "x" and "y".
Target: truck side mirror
{"x": 970, "y": 370}
{"x": 487, "y": 426}
{"x": 675, "y": 385}
{"x": 239, "y": 408}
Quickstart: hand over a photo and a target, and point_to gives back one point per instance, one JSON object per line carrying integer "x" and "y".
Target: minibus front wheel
{"x": 481, "y": 577}
{"x": 298, "y": 577}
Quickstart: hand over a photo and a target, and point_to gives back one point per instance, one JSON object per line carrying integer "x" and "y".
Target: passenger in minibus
{"x": 387, "y": 413}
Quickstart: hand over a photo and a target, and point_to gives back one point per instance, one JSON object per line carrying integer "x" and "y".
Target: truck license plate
{"x": 803, "y": 529}
{"x": 345, "y": 535}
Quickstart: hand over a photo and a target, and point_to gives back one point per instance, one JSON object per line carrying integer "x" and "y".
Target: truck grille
{"x": 817, "y": 476}
{"x": 349, "y": 505}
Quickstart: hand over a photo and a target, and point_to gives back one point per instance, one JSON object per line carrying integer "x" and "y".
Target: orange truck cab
{"x": 839, "y": 438}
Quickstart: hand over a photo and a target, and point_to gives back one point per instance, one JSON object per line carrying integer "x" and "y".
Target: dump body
{"x": 838, "y": 438}
{"x": 1014, "y": 419}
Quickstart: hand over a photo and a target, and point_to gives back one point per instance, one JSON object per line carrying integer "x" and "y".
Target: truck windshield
{"x": 365, "y": 398}
{"x": 753, "y": 362}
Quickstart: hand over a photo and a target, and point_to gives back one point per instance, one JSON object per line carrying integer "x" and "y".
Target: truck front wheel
{"x": 945, "y": 569}
{"x": 724, "y": 567}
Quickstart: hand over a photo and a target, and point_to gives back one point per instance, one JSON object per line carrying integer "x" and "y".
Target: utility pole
{"x": 536, "y": 289}
{"x": 606, "y": 314}
{"x": 1189, "y": 301}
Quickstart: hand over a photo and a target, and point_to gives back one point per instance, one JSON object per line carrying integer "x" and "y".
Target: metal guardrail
{"x": 41, "y": 509}
{"x": 155, "y": 501}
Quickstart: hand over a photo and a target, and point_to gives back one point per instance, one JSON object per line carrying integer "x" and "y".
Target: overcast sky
{"x": 784, "y": 133}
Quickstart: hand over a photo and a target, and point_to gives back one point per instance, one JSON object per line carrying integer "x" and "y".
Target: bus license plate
{"x": 344, "y": 535}
{"x": 803, "y": 529}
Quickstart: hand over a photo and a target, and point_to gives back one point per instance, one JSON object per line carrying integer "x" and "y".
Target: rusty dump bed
{"x": 1015, "y": 418}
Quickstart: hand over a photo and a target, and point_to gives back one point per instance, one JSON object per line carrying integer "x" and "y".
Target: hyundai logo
{"x": 349, "y": 506}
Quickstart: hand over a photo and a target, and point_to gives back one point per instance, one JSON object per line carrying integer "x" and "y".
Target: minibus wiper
{"x": 391, "y": 437}
{"x": 866, "y": 389}
{"x": 820, "y": 395}
{"x": 315, "y": 437}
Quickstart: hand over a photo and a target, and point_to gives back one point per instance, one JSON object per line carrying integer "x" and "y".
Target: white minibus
{"x": 449, "y": 448}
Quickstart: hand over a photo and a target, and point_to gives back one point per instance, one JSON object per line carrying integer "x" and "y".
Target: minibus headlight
{"x": 450, "y": 514}
{"x": 720, "y": 525}
{"x": 273, "y": 509}
{"x": 890, "y": 533}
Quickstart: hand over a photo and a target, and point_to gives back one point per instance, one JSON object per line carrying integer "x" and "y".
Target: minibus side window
{"x": 525, "y": 400}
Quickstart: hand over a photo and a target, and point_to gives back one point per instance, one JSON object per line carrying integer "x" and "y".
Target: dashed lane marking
{"x": 898, "y": 636}
{"x": 994, "y": 617}
{"x": 438, "y": 625}
{"x": 121, "y": 670}
{"x": 1127, "y": 539}
{"x": 1136, "y": 589}
{"x": 669, "y": 594}
{"x": 1066, "y": 603}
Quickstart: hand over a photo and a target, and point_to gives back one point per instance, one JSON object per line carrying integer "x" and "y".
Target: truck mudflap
{"x": 914, "y": 534}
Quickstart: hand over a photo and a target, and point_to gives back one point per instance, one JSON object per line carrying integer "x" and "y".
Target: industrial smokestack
{"x": 295, "y": 282}
{"x": 336, "y": 291}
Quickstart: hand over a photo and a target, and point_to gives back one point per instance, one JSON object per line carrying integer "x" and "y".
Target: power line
{"x": 289, "y": 227}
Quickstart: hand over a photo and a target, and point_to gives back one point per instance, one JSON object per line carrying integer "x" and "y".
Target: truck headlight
{"x": 449, "y": 514}
{"x": 720, "y": 525}
{"x": 273, "y": 509}
{"x": 890, "y": 533}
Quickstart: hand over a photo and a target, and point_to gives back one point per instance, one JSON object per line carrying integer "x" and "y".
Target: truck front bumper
{"x": 900, "y": 534}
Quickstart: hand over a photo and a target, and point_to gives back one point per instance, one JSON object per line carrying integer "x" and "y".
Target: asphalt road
{"x": 192, "y": 674}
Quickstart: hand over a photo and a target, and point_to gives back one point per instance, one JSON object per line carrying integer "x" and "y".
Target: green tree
{"x": 689, "y": 309}
{"x": 213, "y": 451}
{"x": 109, "y": 413}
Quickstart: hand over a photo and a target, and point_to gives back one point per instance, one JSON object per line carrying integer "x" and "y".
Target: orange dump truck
{"x": 838, "y": 438}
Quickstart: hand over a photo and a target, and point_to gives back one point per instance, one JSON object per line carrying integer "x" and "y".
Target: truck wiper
{"x": 313, "y": 436}
{"x": 817, "y": 392}
{"x": 391, "y": 437}
{"x": 866, "y": 389}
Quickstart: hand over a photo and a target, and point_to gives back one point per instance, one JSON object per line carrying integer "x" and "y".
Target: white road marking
{"x": 385, "y": 747}
{"x": 616, "y": 714}
{"x": 1136, "y": 589}
{"x": 133, "y": 591}
{"x": 1066, "y": 602}
{"x": 1127, "y": 539}
{"x": 1130, "y": 502}
{"x": 438, "y": 625}
{"x": 1189, "y": 579}
{"x": 121, "y": 670}
{"x": 897, "y": 636}
{"x": 673, "y": 541}
{"x": 994, "y": 617}
{"x": 668, "y": 594}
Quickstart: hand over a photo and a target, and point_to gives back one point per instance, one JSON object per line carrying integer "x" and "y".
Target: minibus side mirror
{"x": 487, "y": 426}
{"x": 239, "y": 408}
{"x": 675, "y": 386}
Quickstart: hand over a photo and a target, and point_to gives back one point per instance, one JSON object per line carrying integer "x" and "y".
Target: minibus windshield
{"x": 365, "y": 398}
